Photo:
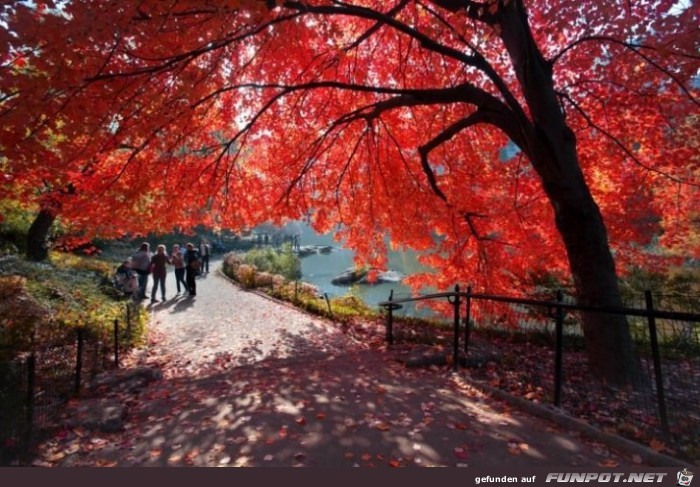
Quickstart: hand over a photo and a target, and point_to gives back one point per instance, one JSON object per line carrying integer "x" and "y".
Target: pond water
{"x": 320, "y": 269}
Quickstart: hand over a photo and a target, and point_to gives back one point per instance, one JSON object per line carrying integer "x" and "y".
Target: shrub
{"x": 22, "y": 315}
{"x": 14, "y": 224}
{"x": 245, "y": 274}
{"x": 283, "y": 262}
{"x": 42, "y": 302}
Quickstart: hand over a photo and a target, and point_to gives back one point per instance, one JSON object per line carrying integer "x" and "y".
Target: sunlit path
{"x": 224, "y": 325}
{"x": 248, "y": 381}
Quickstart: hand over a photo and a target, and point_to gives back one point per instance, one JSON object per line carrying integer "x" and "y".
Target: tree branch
{"x": 475, "y": 10}
{"x": 624, "y": 148}
{"x": 391, "y": 13}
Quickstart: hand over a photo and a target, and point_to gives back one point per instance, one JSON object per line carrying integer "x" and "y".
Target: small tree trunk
{"x": 37, "y": 236}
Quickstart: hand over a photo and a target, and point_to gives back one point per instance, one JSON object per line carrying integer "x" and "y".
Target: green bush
{"x": 14, "y": 224}
{"x": 283, "y": 262}
{"x": 42, "y": 302}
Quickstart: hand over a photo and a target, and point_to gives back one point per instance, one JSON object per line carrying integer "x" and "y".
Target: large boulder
{"x": 349, "y": 277}
{"x": 361, "y": 276}
{"x": 306, "y": 250}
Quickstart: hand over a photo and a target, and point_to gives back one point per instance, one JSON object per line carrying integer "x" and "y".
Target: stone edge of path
{"x": 648, "y": 455}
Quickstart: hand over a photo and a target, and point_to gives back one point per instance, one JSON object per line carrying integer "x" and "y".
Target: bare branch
{"x": 169, "y": 63}
{"x": 475, "y": 10}
{"x": 391, "y": 13}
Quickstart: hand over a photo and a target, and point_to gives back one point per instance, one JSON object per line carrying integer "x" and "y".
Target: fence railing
{"x": 667, "y": 341}
{"x": 39, "y": 382}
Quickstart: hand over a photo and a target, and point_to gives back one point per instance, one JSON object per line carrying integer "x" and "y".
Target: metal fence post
{"x": 559, "y": 346}
{"x": 661, "y": 398}
{"x": 328, "y": 302}
{"x": 79, "y": 361}
{"x": 128, "y": 323}
{"x": 390, "y": 320}
{"x": 467, "y": 325}
{"x": 455, "y": 340}
{"x": 31, "y": 380}
{"x": 116, "y": 343}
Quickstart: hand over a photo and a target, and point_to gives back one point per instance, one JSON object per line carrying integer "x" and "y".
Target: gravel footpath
{"x": 224, "y": 323}
{"x": 249, "y": 381}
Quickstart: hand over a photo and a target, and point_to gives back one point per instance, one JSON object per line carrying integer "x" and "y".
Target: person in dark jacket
{"x": 159, "y": 261}
{"x": 193, "y": 268}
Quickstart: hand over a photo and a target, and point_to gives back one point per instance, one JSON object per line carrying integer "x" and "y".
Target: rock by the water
{"x": 350, "y": 276}
{"x": 361, "y": 276}
{"x": 306, "y": 250}
{"x": 390, "y": 276}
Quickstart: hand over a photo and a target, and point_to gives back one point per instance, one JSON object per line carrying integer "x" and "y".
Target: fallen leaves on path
{"x": 285, "y": 399}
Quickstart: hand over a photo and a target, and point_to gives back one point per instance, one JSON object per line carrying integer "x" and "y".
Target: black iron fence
{"x": 535, "y": 349}
{"x": 36, "y": 384}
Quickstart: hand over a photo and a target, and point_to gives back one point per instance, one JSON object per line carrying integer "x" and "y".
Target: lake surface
{"x": 320, "y": 269}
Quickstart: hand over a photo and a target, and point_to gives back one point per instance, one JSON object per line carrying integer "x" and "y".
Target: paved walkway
{"x": 252, "y": 382}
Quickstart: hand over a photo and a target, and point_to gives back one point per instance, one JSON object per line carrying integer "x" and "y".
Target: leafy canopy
{"x": 397, "y": 119}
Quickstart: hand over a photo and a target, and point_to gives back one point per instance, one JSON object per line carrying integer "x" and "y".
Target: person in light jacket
{"x": 204, "y": 251}
{"x": 141, "y": 263}
{"x": 177, "y": 259}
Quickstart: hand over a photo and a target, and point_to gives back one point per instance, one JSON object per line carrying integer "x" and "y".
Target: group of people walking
{"x": 188, "y": 263}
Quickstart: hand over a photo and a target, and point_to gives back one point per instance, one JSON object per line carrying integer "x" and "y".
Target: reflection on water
{"x": 320, "y": 269}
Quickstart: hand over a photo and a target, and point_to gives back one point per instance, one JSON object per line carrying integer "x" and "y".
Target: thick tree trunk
{"x": 609, "y": 346}
{"x": 551, "y": 146}
{"x": 37, "y": 236}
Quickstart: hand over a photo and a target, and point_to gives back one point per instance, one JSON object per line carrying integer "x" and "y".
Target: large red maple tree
{"x": 500, "y": 137}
